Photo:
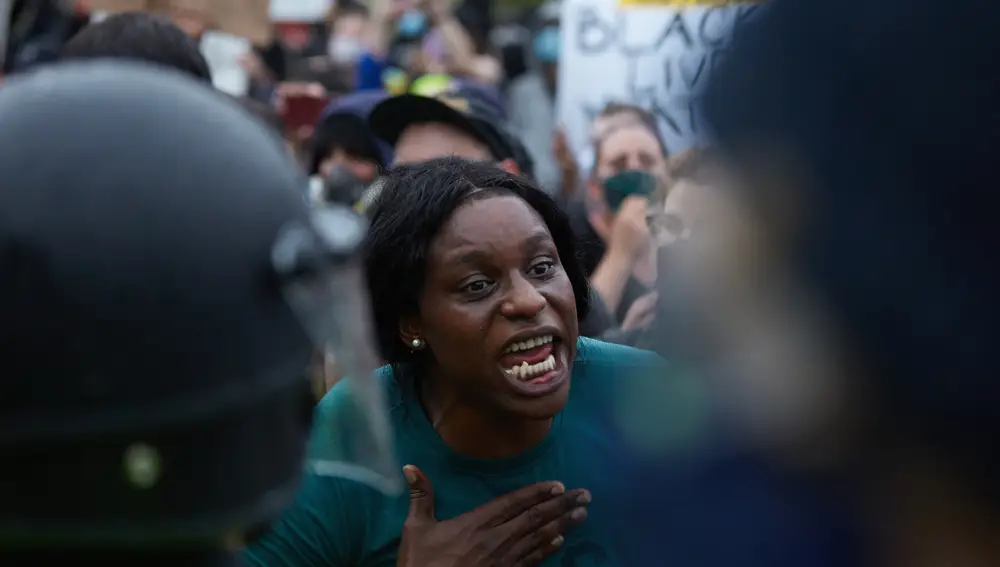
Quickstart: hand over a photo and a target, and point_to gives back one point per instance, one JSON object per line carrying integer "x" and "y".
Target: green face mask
{"x": 625, "y": 184}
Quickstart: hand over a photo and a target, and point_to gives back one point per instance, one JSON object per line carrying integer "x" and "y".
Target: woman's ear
{"x": 409, "y": 331}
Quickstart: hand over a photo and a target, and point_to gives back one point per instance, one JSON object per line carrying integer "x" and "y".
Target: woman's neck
{"x": 470, "y": 430}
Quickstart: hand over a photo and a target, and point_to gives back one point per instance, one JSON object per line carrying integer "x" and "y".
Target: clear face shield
{"x": 323, "y": 281}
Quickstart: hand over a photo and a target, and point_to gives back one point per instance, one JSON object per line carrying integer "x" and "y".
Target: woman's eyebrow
{"x": 535, "y": 241}
{"x": 529, "y": 244}
{"x": 473, "y": 257}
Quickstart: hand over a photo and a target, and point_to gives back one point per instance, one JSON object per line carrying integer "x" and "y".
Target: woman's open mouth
{"x": 535, "y": 364}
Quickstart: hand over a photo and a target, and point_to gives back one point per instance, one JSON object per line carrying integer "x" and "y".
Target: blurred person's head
{"x": 546, "y": 42}
{"x": 192, "y": 17}
{"x": 343, "y": 146}
{"x": 689, "y": 199}
{"x": 545, "y": 46}
{"x": 468, "y": 260}
{"x": 860, "y": 309}
{"x": 631, "y": 148}
{"x": 139, "y": 36}
{"x": 512, "y": 41}
{"x": 478, "y": 25}
{"x": 464, "y": 121}
{"x": 347, "y": 27}
{"x": 613, "y": 114}
{"x": 406, "y": 56}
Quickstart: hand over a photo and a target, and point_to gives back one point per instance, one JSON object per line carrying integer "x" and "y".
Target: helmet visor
{"x": 323, "y": 282}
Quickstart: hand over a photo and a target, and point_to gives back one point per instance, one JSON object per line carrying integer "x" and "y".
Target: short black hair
{"x": 140, "y": 36}
{"x": 415, "y": 202}
{"x": 346, "y": 132}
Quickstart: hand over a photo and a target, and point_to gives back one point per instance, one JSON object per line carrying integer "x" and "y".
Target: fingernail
{"x": 578, "y": 514}
{"x": 557, "y": 489}
{"x": 558, "y": 541}
{"x": 584, "y": 498}
{"x": 410, "y": 474}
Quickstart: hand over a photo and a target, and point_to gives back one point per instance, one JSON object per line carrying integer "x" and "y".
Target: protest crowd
{"x": 451, "y": 283}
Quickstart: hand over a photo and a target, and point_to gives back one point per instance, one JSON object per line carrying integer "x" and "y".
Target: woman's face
{"x": 497, "y": 310}
{"x": 630, "y": 147}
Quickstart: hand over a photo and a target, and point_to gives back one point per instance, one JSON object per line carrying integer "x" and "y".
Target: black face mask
{"x": 343, "y": 187}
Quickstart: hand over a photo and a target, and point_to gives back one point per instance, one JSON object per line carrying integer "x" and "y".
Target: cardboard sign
{"x": 245, "y": 18}
{"x": 656, "y": 54}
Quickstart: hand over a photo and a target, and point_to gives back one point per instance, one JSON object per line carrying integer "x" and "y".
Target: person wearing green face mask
{"x": 630, "y": 165}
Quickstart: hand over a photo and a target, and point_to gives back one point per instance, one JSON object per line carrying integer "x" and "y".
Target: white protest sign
{"x": 655, "y": 54}
{"x": 300, "y": 10}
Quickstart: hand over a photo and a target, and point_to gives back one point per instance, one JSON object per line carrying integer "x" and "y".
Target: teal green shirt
{"x": 340, "y": 523}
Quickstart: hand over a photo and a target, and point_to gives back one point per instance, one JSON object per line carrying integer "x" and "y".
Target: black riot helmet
{"x": 163, "y": 287}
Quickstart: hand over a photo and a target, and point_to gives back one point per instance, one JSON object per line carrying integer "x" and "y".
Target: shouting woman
{"x": 498, "y": 406}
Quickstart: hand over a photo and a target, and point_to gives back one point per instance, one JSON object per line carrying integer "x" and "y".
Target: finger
{"x": 535, "y": 518}
{"x": 645, "y": 321}
{"x": 421, "y": 495}
{"x": 649, "y": 299}
{"x": 634, "y": 205}
{"x": 546, "y": 540}
{"x": 539, "y": 554}
{"x": 513, "y": 504}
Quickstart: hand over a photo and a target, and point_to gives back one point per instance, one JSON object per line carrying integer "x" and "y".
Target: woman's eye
{"x": 477, "y": 286}
{"x": 542, "y": 268}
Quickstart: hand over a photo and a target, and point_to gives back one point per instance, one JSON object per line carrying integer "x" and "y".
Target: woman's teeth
{"x": 529, "y": 344}
{"x": 525, "y": 371}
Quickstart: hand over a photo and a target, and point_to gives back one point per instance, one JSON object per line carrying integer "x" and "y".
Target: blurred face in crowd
{"x": 498, "y": 310}
{"x": 422, "y": 142}
{"x": 189, "y": 18}
{"x": 362, "y": 168}
{"x": 345, "y": 43}
{"x": 629, "y": 147}
{"x": 350, "y": 25}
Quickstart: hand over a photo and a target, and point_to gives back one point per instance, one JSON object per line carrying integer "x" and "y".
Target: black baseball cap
{"x": 469, "y": 107}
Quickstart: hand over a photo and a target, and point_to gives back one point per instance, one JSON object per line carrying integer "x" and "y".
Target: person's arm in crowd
{"x": 569, "y": 174}
{"x": 374, "y": 60}
{"x": 532, "y": 124}
{"x": 610, "y": 277}
{"x": 629, "y": 238}
{"x": 599, "y": 320}
{"x": 459, "y": 47}
{"x": 380, "y": 30}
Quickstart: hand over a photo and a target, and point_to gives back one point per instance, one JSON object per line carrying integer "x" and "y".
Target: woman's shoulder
{"x": 342, "y": 419}
{"x": 342, "y": 392}
{"x": 592, "y": 352}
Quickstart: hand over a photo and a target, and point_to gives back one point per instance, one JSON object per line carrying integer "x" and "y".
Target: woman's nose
{"x": 524, "y": 300}
{"x": 635, "y": 163}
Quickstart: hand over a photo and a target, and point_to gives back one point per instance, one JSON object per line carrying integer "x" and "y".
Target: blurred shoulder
{"x": 340, "y": 394}
{"x": 595, "y": 353}
{"x": 341, "y": 408}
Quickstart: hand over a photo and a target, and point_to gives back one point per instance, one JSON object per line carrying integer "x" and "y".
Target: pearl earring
{"x": 417, "y": 343}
